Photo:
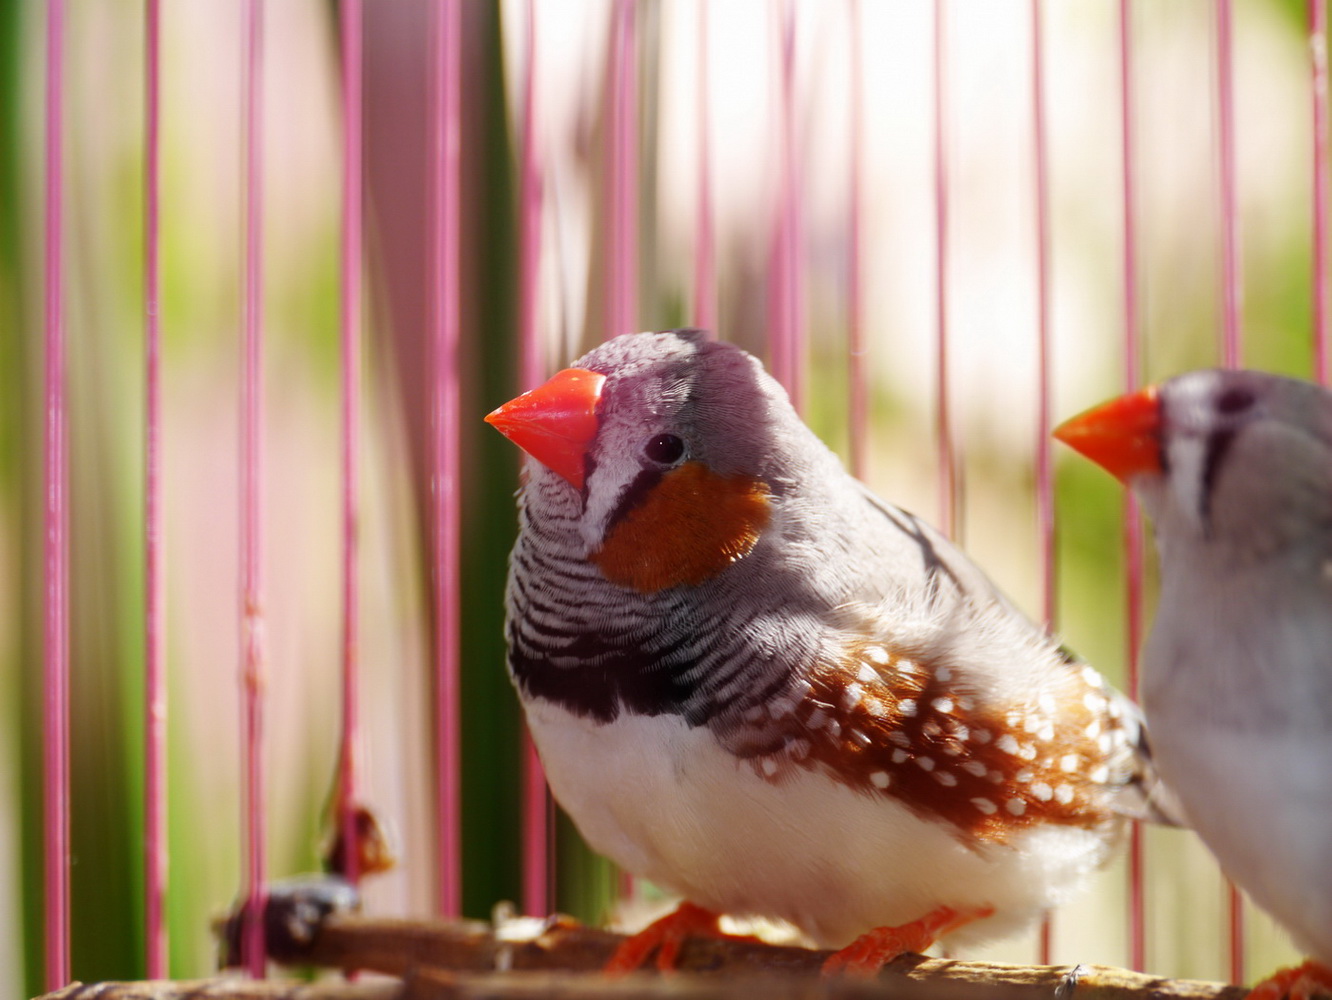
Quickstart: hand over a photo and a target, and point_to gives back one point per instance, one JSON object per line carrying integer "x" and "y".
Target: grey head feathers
{"x": 1246, "y": 464}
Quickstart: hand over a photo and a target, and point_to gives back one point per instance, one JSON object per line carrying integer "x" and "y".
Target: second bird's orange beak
{"x": 555, "y": 422}
{"x": 1123, "y": 436}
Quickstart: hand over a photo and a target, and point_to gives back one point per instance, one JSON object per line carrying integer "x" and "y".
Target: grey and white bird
{"x": 1235, "y": 470}
{"x": 756, "y": 684}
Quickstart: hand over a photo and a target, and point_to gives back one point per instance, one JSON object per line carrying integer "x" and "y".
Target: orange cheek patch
{"x": 691, "y": 526}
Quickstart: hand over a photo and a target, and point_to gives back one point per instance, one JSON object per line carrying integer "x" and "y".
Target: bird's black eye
{"x": 1234, "y": 400}
{"x": 664, "y": 449}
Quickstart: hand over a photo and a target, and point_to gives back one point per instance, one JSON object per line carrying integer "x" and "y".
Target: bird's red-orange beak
{"x": 555, "y": 422}
{"x": 1122, "y": 436}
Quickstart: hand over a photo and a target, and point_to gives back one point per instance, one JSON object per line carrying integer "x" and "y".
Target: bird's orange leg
{"x": 1299, "y": 982}
{"x": 870, "y": 952}
{"x": 666, "y": 935}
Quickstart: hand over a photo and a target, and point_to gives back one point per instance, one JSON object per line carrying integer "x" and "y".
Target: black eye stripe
{"x": 1234, "y": 399}
{"x": 634, "y": 494}
{"x": 1218, "y": 444}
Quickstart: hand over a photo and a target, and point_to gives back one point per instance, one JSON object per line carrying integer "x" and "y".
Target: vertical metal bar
{"x": 445, "y": 230}
{"x": 1233, "y": 293}
{"x": 859, "y": 395}
{"x": 253, "y": 646}
{"x": 55, "y": 517}
{"x": 349, "y": 334}
{"x": 1045, "y": 512}
{"x": 1132, "y": 521}
{"x": 787, "y": 294}
{"x": 1318, "y": 67}
{"x": 944, "y": 432}
{"x": 538, "y": 866}
{"x": 1233, "y": 283}
{"x": 155, "y": 690}
{"x": 529, "y": 217}
{"x": 622, "y": 304}
{"x": 705, "y": 277}
{"x": 538, "y": 832}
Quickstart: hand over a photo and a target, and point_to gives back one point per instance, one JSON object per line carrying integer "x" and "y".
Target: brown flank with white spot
{"x": 903, "y": 728}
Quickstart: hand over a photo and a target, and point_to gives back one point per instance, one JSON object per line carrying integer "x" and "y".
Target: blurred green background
{"x": 992, "y": 296}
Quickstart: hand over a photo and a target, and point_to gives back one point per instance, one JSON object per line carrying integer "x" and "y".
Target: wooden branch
{"x": 941, "y": 981}
{"x": 232, "y": 988}
{"x": 539, "y": 960}
{"x": 396, "y": 946}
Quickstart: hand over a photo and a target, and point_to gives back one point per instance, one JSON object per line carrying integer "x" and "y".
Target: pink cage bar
{"x": 155, "y": 690}
{"x": 253, "y": 666}
{"x": 1132, "y": 520}
{"x": 788, "y": 296}
{"x": 446, "y": 138}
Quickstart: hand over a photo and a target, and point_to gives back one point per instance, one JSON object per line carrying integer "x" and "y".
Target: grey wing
{"x": 1143, "y": 793}
{"x": 941, "y": 562}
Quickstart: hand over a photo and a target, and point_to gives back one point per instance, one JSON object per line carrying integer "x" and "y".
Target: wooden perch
{"x": 536, "y": 960}
{"x": 396, "y": 946}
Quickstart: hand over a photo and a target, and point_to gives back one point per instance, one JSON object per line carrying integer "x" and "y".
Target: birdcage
{"x": 266, "y": 265}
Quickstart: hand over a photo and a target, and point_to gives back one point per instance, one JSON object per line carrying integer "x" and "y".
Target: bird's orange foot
{"x": 870, "y": 952}
{"x": 666, "y": 935}
{"x": 1299, "y": 982}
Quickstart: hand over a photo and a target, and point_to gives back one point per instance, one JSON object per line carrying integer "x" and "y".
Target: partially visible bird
{"x": 756, "y": 684}
{"x": 1235, "y": 469}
